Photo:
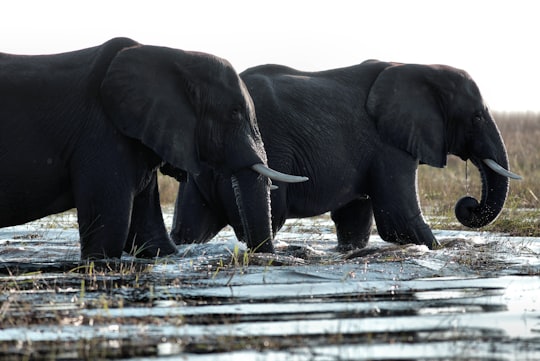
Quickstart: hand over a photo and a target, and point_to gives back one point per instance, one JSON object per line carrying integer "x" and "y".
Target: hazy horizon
{"x": 494, "y": 41}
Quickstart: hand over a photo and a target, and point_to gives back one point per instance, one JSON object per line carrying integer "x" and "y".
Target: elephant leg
{"x": 395, "y": 202}
{"x": 103, "y": 221}
{"x": 353, "y": 224}
{"x": 194, "y": 221}
{"x": 147, "y": 235}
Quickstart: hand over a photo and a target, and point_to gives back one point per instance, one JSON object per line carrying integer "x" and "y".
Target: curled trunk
{"x": 474, "y": 214}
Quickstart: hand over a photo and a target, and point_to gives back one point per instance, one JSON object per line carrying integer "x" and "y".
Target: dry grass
{"x": 439, "y": 189}
{"x": 168, "y": 188}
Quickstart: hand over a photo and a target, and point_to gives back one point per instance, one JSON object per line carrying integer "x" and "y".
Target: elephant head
{"x": 191, "y": 109}
{"x": 433, "y": 111}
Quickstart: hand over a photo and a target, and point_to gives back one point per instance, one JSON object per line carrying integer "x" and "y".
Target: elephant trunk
{"x": 474, "y": 214}
{"x": 252, "y": 223}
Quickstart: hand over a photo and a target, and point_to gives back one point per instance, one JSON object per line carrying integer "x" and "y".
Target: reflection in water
{"x": 475, "y": 297}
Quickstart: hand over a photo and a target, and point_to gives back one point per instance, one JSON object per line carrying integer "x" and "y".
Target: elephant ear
{"x": 146, "y": 96}
{"x": 405, "y": 103}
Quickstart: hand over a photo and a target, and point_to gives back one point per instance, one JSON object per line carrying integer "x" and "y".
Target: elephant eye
{"x": 236, "y": 114}
{"x": 478, "y": 119}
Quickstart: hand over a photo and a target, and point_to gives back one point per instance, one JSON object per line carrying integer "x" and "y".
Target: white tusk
{"x": 277, "y": 176}
{"x": 498, "y": 169}
{"x": 273, "y": 187}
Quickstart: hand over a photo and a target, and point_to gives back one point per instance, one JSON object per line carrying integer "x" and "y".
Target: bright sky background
{"x": 497, "y": 42}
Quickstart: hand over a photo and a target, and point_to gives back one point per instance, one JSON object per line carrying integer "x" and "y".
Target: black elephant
{"x": 89, "y": 129}
{"x": 359, "y": 134}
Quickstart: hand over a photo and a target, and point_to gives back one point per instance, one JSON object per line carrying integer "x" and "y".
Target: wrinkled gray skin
{"x": 359, "y": 134}
{"x": 89, "y": 129}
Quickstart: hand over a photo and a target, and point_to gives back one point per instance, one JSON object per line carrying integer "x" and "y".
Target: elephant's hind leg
{"x": 353, "y": 224}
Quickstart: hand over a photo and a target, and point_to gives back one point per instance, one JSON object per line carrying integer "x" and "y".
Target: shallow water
{"x": 474, "y": 299}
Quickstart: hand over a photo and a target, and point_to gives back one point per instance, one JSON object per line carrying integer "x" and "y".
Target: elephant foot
{"x": 354, "y": 222}
{"x": 152, "y": 248}
{"x": 350, "y": 241}
{"x": 347, "y": 247}
{"x": 263, "y": 247}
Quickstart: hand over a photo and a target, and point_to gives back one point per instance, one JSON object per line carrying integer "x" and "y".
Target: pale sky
{"x": 496, "y": 42}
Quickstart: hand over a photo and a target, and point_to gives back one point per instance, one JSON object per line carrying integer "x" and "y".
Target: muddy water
{"x": 477, "y": 298}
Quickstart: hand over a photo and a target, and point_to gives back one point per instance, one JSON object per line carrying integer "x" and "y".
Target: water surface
{"x": 473, "y": 299}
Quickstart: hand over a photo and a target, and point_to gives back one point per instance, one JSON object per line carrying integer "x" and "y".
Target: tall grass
{"x": 439, "y": 189}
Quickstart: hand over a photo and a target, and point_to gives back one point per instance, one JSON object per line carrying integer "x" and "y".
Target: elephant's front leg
{"x": 395, "y": 202}
{"x": 104, "y": 213}
{"x": 353, "y": 224}
{"x": 147, "y": 234}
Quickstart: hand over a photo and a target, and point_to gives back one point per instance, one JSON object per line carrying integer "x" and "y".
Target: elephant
{"x": 89, "y": 129}
{"x": 359, "y": 133}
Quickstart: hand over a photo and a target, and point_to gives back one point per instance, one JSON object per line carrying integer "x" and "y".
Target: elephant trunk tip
{"x": 495, "y": 179}
{"x": 472, "y": 214}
